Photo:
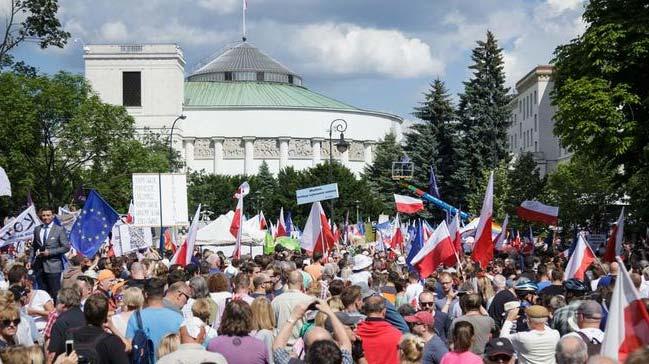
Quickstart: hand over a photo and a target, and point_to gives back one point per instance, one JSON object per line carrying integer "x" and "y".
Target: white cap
{"x": 193, "y": 325}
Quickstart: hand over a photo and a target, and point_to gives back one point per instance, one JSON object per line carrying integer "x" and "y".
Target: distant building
{"x": 241, "y": 108}
{"x": 532, "y": 121}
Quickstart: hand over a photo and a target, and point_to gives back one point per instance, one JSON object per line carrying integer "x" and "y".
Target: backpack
{"x": 87, "y": 351}
{"x": 594, "y": 346}
{"x": 142, "y": 352}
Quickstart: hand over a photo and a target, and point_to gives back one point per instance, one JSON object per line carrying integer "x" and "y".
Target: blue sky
{"x": 374, "y": 54}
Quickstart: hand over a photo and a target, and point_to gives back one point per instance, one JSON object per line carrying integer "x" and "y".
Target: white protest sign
{"x": 317, "y": 193}
{"x": 160, "y": 196}
{"x": 21, "y": 228}
{"x": 127, "y": 238}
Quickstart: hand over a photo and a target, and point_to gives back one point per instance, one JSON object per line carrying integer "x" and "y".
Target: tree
{"x": 484, "y": 113}
{"x": 602, "y": 97}
{"x": 525, "y": 183}
{"x": 31, "y": 20}
{"x": 501, "y": 192}
{"x": 264, "y": 186}
{"x": 379, "y": 174}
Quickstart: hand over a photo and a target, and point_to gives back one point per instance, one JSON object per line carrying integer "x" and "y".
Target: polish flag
{"x": 129, "y": 215}
{"x": 407, "y": 204}
{"x": 317, "y": 235}
{"x": 536, "y": 211}
{"x": 237, "y": 219}
{"x": 436, "y": 251}
{"x": 627, "y": 325}
{"x": 281, "y": 224}
{"x": 428, "y": 230}
{"x": 580, "y": 260}
{"x": 614, "y": 244}
{"x": 456, "y": 235}
{"x": 397, "y": 234}
{"x": 262, "y": 221}
{"x": 183, "y": 255}
{"x": 500, "y": 239}
{"x": 483, "y": 249}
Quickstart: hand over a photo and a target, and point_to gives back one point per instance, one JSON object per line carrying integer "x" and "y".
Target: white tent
{"x": 217, "y": 232}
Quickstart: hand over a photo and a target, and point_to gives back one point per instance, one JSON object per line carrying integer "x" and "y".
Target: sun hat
{"x": 361, "y": 262}
{"x": 537, "y": 311}
{"x": 193, "y": 325}
{"x": 105, "y": 274}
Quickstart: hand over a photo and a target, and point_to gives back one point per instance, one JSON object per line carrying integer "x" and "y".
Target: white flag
{"x": 21, "y": 228}
{"x": 5, "y": 186}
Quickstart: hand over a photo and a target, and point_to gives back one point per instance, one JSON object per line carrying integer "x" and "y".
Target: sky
{"x": 373, "y": 54}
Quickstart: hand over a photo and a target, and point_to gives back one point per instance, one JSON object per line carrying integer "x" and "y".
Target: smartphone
{"x": 69, "y": 346}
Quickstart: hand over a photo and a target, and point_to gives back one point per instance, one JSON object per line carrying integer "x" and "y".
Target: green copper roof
{"x": 256, "y": 94}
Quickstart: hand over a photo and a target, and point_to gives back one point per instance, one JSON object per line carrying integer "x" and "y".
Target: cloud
{"x": 222, "y": 6}
{"x": 113, "y": 31}
{"x": 351, "y": 49}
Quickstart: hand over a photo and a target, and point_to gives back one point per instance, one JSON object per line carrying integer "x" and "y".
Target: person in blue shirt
{"x": 157, "y": 320}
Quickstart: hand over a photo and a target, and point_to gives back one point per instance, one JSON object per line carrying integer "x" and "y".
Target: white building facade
{"x": 240, "y": 109}
{"x": 532, "y": 121}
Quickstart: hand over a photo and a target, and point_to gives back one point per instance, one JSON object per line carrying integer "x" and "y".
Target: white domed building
{"x": 240, "y": 109}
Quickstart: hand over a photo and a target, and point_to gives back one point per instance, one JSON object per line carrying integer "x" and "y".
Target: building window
{"x": 260, "y": 76}
{"x": 536, "y": 146}
{"x": 228, "y": 76}
{"x": 132, "y": 88}
{"x": 536, "y": 101}
{"x": 290, "y": 79}
{"x": 535, "y": 122}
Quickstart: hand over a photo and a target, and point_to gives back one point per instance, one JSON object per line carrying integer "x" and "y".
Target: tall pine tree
{"x": 379, "y": 174}
{"x": 484, "y": 114}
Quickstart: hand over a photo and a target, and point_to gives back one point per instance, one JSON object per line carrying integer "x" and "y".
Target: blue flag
{"x": 416, "y": 245}
{"x": 432, "y": 183}
{"x": 93, "y": 225}
{"x": 288, "y": 221}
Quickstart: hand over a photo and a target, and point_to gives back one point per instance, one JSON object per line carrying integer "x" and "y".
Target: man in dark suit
{"x": 49, "y": 244}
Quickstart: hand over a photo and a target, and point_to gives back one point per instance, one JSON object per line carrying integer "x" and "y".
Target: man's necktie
{"x": 45, "y": 234}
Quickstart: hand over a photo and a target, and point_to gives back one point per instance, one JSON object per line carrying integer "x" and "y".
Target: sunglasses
{"x": 8, "y": 322}
{"x": 426, "y": 304}
{"x": 500, "y": 358}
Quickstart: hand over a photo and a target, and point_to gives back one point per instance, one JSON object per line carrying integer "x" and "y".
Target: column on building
{"x": 316, "y": 147}
{"x": 283, "y": 151}
{"x": 249, "y": 155}
{"x": 218, "y": 154}
{"x": 367, "y": 151}
{"x": 188, "y": 144}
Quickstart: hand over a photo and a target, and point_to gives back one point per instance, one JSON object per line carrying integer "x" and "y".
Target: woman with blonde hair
{"x": 9, "y": 321}
{"x": 23, "y": 355}
{"x": 168, "y": 344}
{"x": 202, "y": 309}
{"x": 263, "y": 323}
{"x": 131, "y": 300}
{"x": 411, "y": 349}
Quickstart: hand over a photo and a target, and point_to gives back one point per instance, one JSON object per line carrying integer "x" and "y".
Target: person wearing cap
{"x": 588, "y": 318}
{"x": 349, "y": 322}
{"x": 499, "y": 351}
{"x": 105, "y": 281}
{"x": 536, "y": 346}
{"x": 380, "y": 339}
{"x": 422, "y": 324}
{"x": 191, "y": 349}
{"x": 360, "y": 269}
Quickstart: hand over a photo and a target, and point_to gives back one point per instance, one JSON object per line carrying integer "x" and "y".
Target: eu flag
{"x": 416, "y": 245}
{"x": 432, "y": 183}
{"x": 93, "y": 225}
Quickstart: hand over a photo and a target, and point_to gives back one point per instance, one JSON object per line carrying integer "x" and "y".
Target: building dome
{"x": 245, "y": 62}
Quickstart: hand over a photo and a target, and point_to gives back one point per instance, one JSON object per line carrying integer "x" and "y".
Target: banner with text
{"x": 160, "y": 199}
{"x": 21, "y": 228}
{"x": 318, "y": 193}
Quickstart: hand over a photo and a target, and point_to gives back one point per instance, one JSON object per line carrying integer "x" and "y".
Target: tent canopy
{"x": 217, "y": 232}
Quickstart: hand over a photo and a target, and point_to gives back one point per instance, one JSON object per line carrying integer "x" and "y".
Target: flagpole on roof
{"x": 245, "y": 7}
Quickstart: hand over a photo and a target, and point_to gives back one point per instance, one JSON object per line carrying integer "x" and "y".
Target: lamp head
{"x": 342, "y": 145}
{"x": 182, "y": 117}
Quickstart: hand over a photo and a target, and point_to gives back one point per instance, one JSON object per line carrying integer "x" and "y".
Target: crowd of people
{"x": 349, "y": 306}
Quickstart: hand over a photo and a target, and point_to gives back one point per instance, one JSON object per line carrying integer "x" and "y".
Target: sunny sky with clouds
{"x": 375, "y": 54}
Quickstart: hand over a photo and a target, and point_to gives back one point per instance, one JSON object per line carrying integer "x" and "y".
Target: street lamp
{"x": 171, "y": 140}
{"x": 340, "y": 125}
{"x": 357, "y": 215}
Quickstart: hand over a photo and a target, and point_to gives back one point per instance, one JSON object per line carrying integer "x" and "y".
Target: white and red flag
{"x": 436, "y": 251}
{"x": 397, "y": 234}
{"x": 582, "y": 257}
{"x": 614, "y": 243}
{"x": 627, "y": 324}
{"x": 236, "y": 226}
{"x": 317, "y": 235}
{"x": 499, "y": 243}
{"x": 536, "y": 211}
{"x": 456, "y": 235}
{"x": 407, "y": 204}
{"x": 483, "y": 249}
{"x": 183, "y": 255}
{"x": 130, "y": 218}
{"x": 281, "y": 224}
{"x": 262, "y": 221}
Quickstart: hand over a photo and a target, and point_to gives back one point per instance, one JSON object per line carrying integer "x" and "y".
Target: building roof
{"x": 243, "y": 57}
{"x": 256, "y": 95}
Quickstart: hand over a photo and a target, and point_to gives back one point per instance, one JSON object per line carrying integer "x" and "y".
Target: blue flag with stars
{"x": 93, "y": 225}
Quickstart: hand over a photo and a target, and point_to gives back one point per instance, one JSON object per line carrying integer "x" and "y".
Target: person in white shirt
{"x": 360, "y": 272}
{"x": 414, "y": 289}
{"x": 191, "y": 349}
{"x": 588, "y": 318}
{"x": 537, "y": 346}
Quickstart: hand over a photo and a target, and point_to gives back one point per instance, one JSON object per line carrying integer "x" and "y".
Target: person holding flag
{"x": 236, "y": 226}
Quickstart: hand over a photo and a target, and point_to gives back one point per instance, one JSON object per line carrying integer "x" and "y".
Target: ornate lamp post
{"x": 171, "y": 140}
{"x": 340, "y": 125}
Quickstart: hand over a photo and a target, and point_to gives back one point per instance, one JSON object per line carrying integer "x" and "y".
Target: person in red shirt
{"x": 380, "y": 339}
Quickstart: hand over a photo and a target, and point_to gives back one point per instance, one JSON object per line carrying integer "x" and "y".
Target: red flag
{"x": 408, "y": 205}
{"x": 614, "y": 243}
{"x": 317, "y": 235}
{"x": 627, "y": 325}
{"x": 262, "y": 221}
{"x": 580, "y": 260}
{"x": 129, "y": 215}
{"x": 237, "y": 219}
{"x": 536, "y": 211}
{"x": 456, "y": 235}
{"x": 436, "y": 251}
{"x": 483, "y": 249}
{"x": 281, "y": 224}
{"x": 397, "y": 234}
{"x": 183, "y": 255}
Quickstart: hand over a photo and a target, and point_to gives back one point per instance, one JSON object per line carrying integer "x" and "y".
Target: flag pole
{"x": 245, "y": 6}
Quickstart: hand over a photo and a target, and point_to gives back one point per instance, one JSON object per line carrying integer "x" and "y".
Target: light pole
{"x": 171, "y": 140}
{"x": 341, "y": 145}
{"x": 357, "y": 215}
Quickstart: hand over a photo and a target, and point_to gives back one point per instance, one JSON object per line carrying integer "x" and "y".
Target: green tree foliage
{"x": 602, "y": 97}
{"x": 379, "y": 174}
{"x": 582, "y": 190}
{"x": 55, "y": 135}
{"x": 502, "y": 191}
{"x": 484, "y": 114}
{"x": 30, "y": 20}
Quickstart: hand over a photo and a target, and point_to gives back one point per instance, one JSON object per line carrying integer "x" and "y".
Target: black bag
{"x": 594, "y": 346}
{"x": 87, "y": 351}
